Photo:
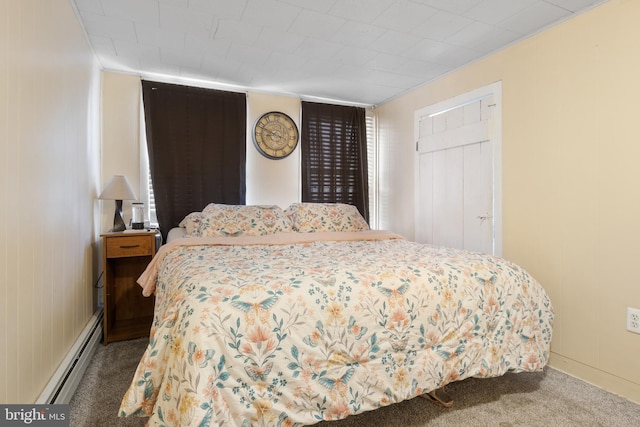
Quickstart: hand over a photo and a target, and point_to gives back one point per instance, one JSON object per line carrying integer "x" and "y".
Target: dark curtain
{"x": 196, "y": 139}
{"x": 334, "y": 155}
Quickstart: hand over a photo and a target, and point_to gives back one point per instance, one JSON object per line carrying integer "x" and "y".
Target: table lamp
{"x": 118, "y": 189}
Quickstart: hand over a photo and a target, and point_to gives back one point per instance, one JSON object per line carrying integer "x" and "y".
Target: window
{"x": 334, "y": 155}
{"x": 372, "y": 166}
{"x": 146, "y": 185}
{"x": 196, "y": 140}
{"x": 147, "y": 196}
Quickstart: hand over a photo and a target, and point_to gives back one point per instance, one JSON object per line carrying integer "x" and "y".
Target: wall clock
{"x": 275, "y": 135}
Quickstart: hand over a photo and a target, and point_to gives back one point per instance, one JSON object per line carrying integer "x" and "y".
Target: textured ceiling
{"x": 354, "y": 51}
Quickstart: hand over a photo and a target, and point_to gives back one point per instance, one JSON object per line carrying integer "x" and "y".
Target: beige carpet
{"x": 548, "y": 398}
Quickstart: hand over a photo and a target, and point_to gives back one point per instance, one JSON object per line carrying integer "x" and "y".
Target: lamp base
{"x": 118, "y": 222}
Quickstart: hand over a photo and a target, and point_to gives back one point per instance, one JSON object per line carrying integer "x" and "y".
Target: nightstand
{"x": 127, "y": 314}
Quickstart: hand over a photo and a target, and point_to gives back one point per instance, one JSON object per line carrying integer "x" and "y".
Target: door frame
{"x": 495, "y": 132}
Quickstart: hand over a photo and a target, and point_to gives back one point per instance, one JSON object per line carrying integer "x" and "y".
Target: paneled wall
{"x": 49, "y": 164}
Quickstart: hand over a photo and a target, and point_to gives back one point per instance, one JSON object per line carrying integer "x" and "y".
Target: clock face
{"x": 275, "y": 135}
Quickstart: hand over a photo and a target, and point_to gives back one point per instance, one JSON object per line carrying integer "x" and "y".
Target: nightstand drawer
{"x": 118, "y": 247}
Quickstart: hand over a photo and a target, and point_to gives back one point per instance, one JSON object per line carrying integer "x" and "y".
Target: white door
{"x": 458, "y": 185}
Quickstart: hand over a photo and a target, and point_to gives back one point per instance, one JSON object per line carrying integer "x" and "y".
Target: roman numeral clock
{"x": 275, "y": 135}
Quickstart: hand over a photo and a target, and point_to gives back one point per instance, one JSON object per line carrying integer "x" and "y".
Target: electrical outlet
{"x": 633, "y": 320}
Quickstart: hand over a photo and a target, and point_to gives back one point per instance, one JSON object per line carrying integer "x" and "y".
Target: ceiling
{"x": 354, "y": 51}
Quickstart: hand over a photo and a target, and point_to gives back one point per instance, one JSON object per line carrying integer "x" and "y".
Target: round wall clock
{"x": 275, "y": 135}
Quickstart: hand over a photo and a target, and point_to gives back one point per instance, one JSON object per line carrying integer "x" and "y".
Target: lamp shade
{"x": 117, "y": 188}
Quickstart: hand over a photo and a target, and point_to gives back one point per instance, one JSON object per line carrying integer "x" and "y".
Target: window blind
{"x": 334, "y": 155}
{"x": 372, "y": 166}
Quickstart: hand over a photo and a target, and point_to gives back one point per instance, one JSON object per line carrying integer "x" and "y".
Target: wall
{"x": 268, "y": 181}
{"x": 272, "y": 181}
{"x": 120, "y": 135}
{"x": 571, "y": 199}
{"x": 49, "y": 153}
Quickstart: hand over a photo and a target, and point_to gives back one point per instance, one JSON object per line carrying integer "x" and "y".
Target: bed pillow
{"x": 240, "y": 220}
{"x": 191, "y": 223}
{"x": 176, "y": 233}
{"x": 318, "y": 217}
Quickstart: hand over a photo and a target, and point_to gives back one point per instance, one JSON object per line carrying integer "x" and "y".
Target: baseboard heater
{"x": 64, "y": 382}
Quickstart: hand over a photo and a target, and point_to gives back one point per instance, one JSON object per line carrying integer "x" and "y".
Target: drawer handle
{"x": 129, "y": 246}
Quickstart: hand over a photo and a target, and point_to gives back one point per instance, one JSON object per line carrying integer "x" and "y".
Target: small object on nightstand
{"x": 137, "y": 215}
{"x": 127, "y": 314}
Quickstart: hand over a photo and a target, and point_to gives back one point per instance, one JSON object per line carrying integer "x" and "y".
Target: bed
{"x": 271, "y": 317}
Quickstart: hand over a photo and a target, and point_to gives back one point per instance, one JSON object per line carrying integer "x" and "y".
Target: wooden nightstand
{"x": 127, "y": 314}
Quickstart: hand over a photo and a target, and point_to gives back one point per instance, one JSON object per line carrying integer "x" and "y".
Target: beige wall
{"x": 49, "y": 160}
{"x": 120, "y": 139}
{"x": 571, "y": 180}
{"x": 270, "y": 181}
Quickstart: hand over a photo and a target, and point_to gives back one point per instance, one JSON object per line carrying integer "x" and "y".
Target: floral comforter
{"x": 296, "y": 328}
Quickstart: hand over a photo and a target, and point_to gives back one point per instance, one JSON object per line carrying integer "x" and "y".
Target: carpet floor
{"x": 548, "y": 398}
